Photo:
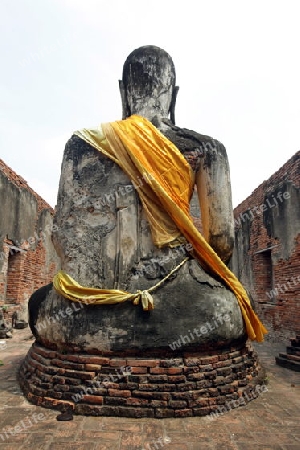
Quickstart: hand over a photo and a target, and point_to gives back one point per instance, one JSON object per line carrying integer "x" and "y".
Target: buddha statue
{"x": 138, "y": 277}
{"x": 105, "y": 241}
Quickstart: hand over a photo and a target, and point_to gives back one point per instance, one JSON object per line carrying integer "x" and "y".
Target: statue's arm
{"x": 214, "y": 191}
{"x": 67, "y": 195}
{"x": 79, "y": 199}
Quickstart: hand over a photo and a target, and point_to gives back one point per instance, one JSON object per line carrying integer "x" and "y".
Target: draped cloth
{"x": 164, "y": 181}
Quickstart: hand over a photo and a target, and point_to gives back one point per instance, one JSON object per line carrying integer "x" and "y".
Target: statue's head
{"x": 148, "y": 84}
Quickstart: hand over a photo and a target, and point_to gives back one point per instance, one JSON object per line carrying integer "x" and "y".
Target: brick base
{"x": 187, "y": 384}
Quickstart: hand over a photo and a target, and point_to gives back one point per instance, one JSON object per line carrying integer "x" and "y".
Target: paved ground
{"x": 272, "y": 421}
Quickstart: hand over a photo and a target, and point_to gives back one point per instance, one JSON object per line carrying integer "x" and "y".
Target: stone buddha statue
{"x": 139, "y": 283}
{"x": 104, "y": 239}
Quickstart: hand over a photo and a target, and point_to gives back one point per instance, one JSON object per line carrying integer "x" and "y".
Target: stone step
{"x": 293, "y": 351}
{"x": 281, "y": 361}
{"x": 290, "y": 357}
{"x": 288, "y": 364}
{"x": 295, "y": 342}
{"x": 293, "y": 358}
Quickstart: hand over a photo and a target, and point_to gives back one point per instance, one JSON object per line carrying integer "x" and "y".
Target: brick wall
{"x": 27, "y": 256}
{"x": 267, "y": 252}
{"x": 19, "y": 182}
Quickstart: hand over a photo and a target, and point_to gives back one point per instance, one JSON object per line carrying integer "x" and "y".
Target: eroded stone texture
{"x": 104, "y": 241}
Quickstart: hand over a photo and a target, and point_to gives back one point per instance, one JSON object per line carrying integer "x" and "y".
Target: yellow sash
{"x": 144, "y": 154}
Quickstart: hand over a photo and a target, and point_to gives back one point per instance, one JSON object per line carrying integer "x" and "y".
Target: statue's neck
{"x": 150, "y": 107}
{"x": 152, "y": 114}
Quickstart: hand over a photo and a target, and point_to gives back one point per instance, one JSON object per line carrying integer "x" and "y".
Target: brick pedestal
{"x": 171, "y": 385}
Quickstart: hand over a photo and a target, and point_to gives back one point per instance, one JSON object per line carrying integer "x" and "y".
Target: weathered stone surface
{"x": 101, "y": 328}
{"x": 16, "y": 203}
{"x": 104, "y": 240}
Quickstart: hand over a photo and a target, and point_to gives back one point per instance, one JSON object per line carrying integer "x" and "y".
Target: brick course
{"x": 52, "y": 379}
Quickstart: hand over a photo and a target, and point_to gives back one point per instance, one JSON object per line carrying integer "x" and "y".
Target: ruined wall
{"x": 27, "y": 256}
{"x": 267, "y": 249}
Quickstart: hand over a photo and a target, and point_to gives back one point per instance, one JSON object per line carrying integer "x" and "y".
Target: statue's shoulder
{"x": 76, "y": 148}
{"x": 186, "y": 139}
{"x": 82, "y": 159}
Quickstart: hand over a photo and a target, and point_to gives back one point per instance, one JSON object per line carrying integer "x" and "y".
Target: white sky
{"x": 237, "y": 64}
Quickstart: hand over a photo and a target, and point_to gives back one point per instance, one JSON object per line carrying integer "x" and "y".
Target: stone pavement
{"x": 271, "y": 421}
